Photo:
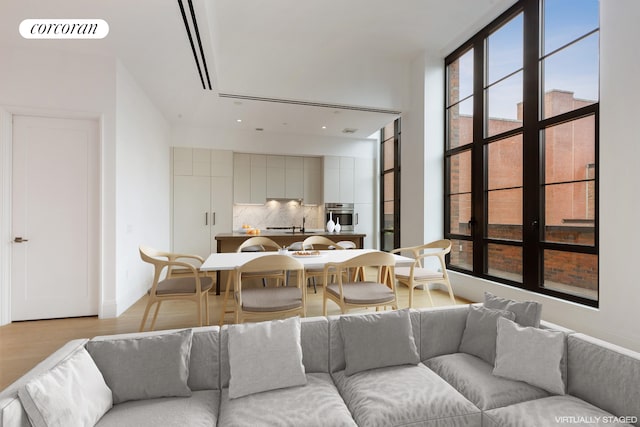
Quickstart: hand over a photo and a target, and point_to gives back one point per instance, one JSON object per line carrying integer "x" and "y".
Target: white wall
{"x": 56, "y": 83}
{"x": 421, "y": 176}
{"x": 142, "y": 187}
{"x": 617, "y": 319}
{"x": 133, "y": 135}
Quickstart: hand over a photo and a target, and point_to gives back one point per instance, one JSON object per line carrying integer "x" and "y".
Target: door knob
{"x": 20, "y": 240}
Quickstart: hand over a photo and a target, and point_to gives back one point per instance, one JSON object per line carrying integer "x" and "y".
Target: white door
{"x": 55, "y": 218}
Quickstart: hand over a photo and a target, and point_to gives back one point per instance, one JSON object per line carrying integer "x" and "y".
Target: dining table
{"x": 229, "y": 261}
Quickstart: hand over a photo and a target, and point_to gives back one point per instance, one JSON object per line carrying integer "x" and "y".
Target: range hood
{"x": 284, "y": 200}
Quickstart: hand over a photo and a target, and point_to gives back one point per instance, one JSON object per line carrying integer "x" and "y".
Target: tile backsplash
{"x": 278, "y": 214}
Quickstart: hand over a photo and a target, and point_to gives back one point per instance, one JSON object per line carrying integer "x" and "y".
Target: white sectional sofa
{"x": 402, "y": 368}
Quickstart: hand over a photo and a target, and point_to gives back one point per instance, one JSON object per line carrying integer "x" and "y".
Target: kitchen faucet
{"x": 303, "y": 221}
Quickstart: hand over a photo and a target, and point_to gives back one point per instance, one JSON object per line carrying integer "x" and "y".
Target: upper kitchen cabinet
{"x": 294, "y": 177}
{"x": 249, "y": 178}
{"x": 284, "y": 177}
{"x": 339, "y": 179}
{"x": 312, "y": 193}
{"x": 202, "y": 202}
{"x": 259, "y": 177}
{"x": 276, "y": 177}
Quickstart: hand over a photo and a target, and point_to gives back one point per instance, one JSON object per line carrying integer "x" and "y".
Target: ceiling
{"x": 281, "y": 65}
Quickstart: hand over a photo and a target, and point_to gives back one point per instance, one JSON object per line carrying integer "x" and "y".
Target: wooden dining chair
{"x": 194, "y": 287}
{"x": 419, "y": 275}
{"x": 263, "y": 244}
{"x": 269, "y": 301}
{"x": 317, "y": 243}
{"x": 358, "y": 291}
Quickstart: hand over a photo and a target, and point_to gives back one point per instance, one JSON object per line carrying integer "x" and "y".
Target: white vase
{"x": 338, "y": 227}
{"x": 330, "y": 224}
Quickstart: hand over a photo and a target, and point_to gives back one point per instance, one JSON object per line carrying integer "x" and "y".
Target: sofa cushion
{"x": 315, "y": 404}
{"x": 378, "y": 340}
{"x": 314, "y": 339}
{"x": 481, "y": 330}
{"x": 201, "y": 409}
{"x": 473, "y": 377}
{"x": 336, "y": 342}
{"x": 71, "y": 393}
{"x": 550, "y": 411}
{"x": 404, "y": 395}
{"x": 204, "y": 363}
{"x": 604, "y": 375}
{"x": 531, "y": 355}
{"x": 527, "y": 312}
{"x": 265, "y": 356}
{"x": 441, "y": 330}
{"x": 144, "y": 367}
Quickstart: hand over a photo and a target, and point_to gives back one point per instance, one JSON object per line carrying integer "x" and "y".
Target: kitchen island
{"x": 229, "y": 242}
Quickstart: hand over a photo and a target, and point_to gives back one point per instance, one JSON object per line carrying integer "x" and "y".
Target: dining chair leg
{"x": 145, "y": 316}
{"x": 411, "y": 287}
{"x": 426, "y": 287}
{"x": 206, "y": 308}
{"x": 453, "y": 298}
{"x": 155, "y": 315}
{"x": 226, "y": 297}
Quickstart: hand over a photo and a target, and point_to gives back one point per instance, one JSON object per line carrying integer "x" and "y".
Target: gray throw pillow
{"x": 378, "y": 340}
{"x": 527, "y": 312}
{"x": 144, "y": 367}
{"x": 479, "y": 336}
{"x": 531, "y": 355}
{"x": 265, "y": 356}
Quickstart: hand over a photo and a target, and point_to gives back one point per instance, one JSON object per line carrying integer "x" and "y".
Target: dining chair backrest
{"x": 319, "y": 242}
{"x": 261, "y": 242}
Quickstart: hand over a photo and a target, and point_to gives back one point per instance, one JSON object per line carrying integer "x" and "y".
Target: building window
{"x": 390, "y": 186}
{"x": 521, "y": 150}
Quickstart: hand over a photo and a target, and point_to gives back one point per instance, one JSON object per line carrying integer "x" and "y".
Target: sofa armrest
{"x": 604, "y": 374}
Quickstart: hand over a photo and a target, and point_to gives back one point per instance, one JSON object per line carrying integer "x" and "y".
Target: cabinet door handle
{"x": 213, "y": 218}
{"x": 206, "y": 218}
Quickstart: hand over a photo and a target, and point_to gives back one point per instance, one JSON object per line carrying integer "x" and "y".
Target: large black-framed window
{"x": 390, "y": 186}
{"x": 521, "y": 150}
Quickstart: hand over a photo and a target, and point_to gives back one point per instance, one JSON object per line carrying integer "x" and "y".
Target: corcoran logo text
{"x": 64, "y": 28}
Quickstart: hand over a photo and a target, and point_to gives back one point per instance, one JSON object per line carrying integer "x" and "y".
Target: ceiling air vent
{"x": 349, "y": 130}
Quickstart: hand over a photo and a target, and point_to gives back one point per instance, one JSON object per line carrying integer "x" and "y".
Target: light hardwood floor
{"x": 25, "y": 344}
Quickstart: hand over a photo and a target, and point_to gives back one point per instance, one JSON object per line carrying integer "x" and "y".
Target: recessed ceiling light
{"x": 324, "y": 127}
{"x": 239, "y": 120}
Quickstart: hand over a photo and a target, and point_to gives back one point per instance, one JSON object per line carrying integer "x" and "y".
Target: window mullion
{"x": 532, "y": 150}
{"x": 478, "y": 165}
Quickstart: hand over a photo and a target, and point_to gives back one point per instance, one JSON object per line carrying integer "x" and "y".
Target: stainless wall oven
{"x": 342, "y": 212}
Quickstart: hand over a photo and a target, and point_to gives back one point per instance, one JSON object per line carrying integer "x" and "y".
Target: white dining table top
{"x": 231, "y": 260}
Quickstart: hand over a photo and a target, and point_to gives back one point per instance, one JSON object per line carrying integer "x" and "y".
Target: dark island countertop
{"x": 229, "y": 242}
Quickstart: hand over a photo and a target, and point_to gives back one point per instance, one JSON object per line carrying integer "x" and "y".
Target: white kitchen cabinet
{"x": 202, "y": 203}
{"x": 339, "y": 177}
{"x": 241, "y": 178}
{"x": 294, "y": 177}
{"x": 276, "y": 176}
{"x": 249, "y": 178}
{"x": 312, "y": 181}
{"x": 258, "y": 178}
